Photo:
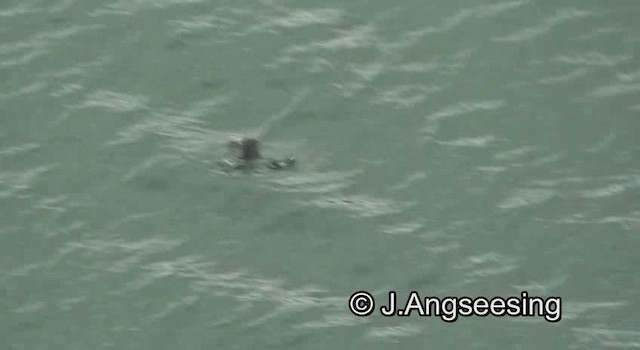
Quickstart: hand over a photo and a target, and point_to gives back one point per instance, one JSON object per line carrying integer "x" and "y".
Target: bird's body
{"x": 247, "y": 150}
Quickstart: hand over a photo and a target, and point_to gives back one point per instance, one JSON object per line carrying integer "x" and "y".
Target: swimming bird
{"x": 247, "y": 150}
{"x": 247, "y": 147}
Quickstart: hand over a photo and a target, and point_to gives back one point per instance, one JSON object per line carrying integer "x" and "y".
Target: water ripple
{"x": 458, "y": 109}
{"x": 526, "y": 197}
{"x": 608, "y": 338}
{"x": 616, "y": 90}
{"x": 18, "y": 149}
{"x": 480, "y": 141}
{"x": 23, "y": 59}
{"x": 406, "y": 96}
{"x": 561, "y": 16}
{"x": 295, "y": 18}
{"x": 573, "y": 310}
{"x": 570, "y": 76}
{"x": 392, "y": 333}
{"x": 485, "y": 11}
{"x": 330, "y": 321}
{"x": 466, "y": 108}
{"x": 612, "y": 189}
{"x": 404, "y": 228}
{"x": 590, "y": 59}
{"x": 206, "y": 279}
{"x": 185, "y": 130}
{"x": 360, "y": 205}
{"x": 131, "y": 7}
{"x": 315, "y": 182}
{"x": 362, "y": 36}
{"x": 26, "y": 90}
{"x": 20, "y": 9}
{"x": 115, "y": 101}
{"x": 487, "y": 264}
{"x": 12, "y": 183}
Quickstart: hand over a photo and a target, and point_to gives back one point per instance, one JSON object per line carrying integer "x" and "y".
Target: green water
{"x": 454, "y": 148}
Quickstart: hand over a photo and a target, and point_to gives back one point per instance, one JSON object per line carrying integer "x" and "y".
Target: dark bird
{"x": 248, "y": 148}
{"x": 248, "y": 151}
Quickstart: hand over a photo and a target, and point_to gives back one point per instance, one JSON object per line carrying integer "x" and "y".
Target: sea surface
{"x": 452, "y": 148}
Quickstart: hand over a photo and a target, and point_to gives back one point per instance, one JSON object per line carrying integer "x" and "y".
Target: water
{"x": 454, "y": 148}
